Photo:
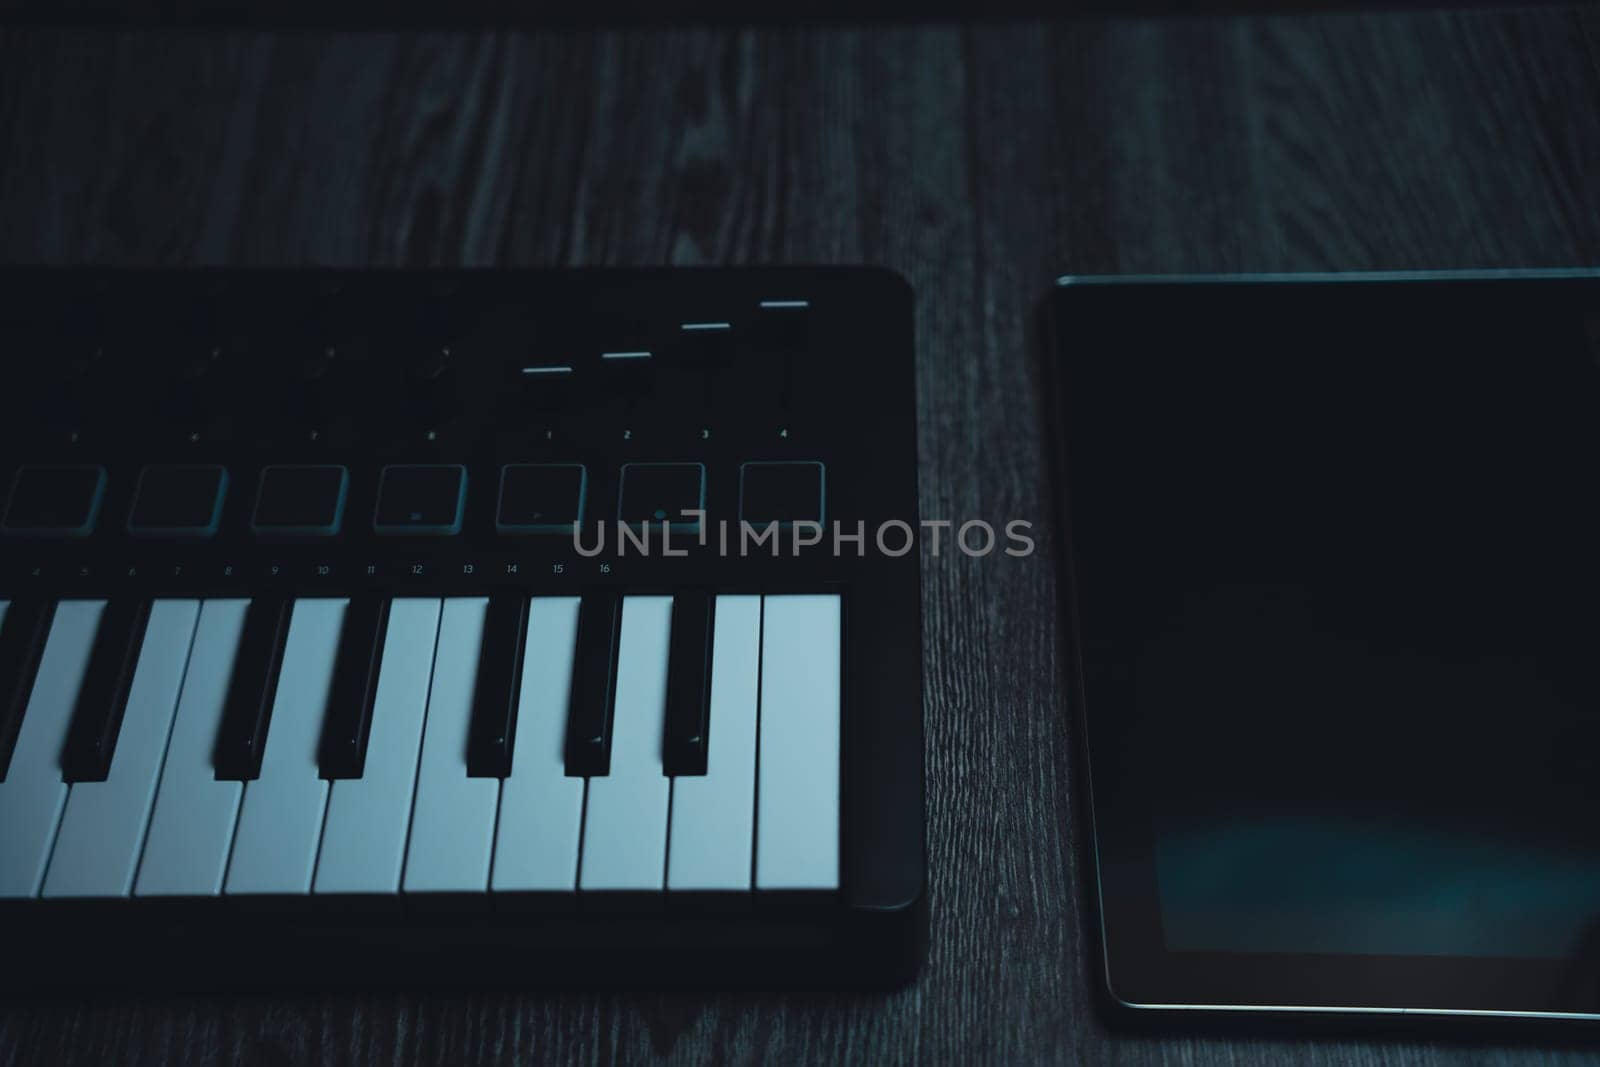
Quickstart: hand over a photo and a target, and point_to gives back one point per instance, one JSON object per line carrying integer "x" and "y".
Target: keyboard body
{"x": 428, "y": 411}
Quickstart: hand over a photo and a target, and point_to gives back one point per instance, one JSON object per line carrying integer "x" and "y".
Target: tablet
{"x": 1334, "y": 585}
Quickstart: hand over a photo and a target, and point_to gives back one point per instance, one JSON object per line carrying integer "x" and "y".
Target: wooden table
{"x": 980, "y": 162}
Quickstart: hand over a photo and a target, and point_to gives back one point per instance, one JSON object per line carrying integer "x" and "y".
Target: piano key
{"x": 103, "y": 829}
{"x": 280, "y": 820}
{"x": 343, "y": 750}
{"x": 494, "y": 701}
{"x": 541, "y": 808}
{"x": 97, "y": 717}
{"x": 254, "y": 684}
{"x": 625, "y": 825}
{"x": 23, "y": 625}
{"x": 712, "y": 838}
{"x": 689, "y": 684}
{"x": 452, "y": 825}
{"x": 588, "y": 744}
{"x": 797, "y": 789}
{"x": 364, "y": 839}
{"x": 33, "y": 794}
{"x": 191, "y": 829}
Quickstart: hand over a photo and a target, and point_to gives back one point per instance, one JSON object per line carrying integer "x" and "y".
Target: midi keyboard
{"x": 459, "y": 627}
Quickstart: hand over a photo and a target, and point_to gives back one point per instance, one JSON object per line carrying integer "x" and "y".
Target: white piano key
{"x": 713, "y": 815}
{"x": 364, "y": 839}
{"x": 625, "y": 826}
{"x": 280, "y": 821}
{"x": 797, "y": 790}
{"x": 103, "y": 830}
{"x": 541, "y": 809}
{"x": 191, "y": 829}
{"x": 452, "y": 822}
{"x": 33, "y": 794}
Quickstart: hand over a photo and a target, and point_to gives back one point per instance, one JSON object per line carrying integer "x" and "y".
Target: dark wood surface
{"x": 980, "y": 162}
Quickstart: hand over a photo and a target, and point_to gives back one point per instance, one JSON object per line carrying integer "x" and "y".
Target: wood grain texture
{"x": 978, "y": 161}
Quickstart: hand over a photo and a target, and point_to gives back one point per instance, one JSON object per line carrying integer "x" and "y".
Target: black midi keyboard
{"x": 521, "y": 628}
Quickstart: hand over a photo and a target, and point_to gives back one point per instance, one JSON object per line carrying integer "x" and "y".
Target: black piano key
{"x": 343, "y": 751}
{"x": 594, "y": 675}
{"x": 22, "y": 633}
{"x": 245, "y": 714}
{"x": 689, "y": 685}
{"x": 494, "y": 701}
{"x": 103, "y": 697}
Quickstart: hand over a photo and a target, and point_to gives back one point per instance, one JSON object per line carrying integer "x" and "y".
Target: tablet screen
{"x": 1337, "y": 580}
